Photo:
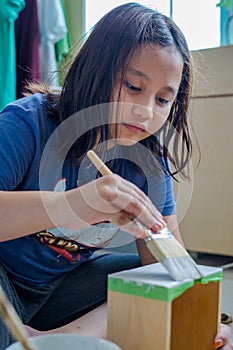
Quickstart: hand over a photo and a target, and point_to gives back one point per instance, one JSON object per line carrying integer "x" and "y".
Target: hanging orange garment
{"x": 9, "y": 10}
{"x": 27, "y": 47}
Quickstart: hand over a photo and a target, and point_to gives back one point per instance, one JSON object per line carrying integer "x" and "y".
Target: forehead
{"x": 154, "y": 62}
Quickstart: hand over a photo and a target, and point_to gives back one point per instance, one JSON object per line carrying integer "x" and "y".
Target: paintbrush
{"x": 162, "y": 245}
{"x": 13, "y": 322}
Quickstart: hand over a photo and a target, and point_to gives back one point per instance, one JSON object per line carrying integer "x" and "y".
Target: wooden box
{"x": 147, "y": 310}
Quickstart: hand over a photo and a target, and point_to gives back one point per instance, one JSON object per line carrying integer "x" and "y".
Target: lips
{"x": 134, "y": 128}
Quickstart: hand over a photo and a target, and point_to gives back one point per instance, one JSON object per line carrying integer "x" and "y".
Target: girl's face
{"x": 149, "y": 88}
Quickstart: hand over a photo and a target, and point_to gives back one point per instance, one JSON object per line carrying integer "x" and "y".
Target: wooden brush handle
{"x": 99, "y": 164}
{"x": 13, "y": 321}
{"x": 104, "y": 170}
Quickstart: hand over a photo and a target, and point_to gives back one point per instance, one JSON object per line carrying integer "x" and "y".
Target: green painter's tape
{"x": 147, "y": 291}
{"x": 216, "y": 277}
{"x": 156, "y": 292}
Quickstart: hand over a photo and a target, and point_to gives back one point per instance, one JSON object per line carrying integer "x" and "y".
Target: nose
{"x": 143, "y": 111}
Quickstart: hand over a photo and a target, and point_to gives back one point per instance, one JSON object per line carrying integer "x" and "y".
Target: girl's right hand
{"x": 109, "y": 198}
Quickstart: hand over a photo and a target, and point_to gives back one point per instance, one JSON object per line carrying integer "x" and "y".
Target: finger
{"x": 124, "y": 195}
{"x": 137, "y": 203}
{"x": 223, "y": 337}
{"x": 145, "y": 216}
{"x": 112, "y": 194}
{"x": 128, "y": 225}
{"x": 139, "y": 197}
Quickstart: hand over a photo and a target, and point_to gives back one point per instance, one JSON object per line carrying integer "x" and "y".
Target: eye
{"x": 162, "y": 100}
{"x": 132, "y": 87}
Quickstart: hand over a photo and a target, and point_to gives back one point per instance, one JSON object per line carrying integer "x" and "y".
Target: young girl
{"x": 126, "y": 95}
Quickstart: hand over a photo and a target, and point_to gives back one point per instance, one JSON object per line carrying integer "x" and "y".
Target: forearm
{"x": 23, "y": 213}
{"x": 144, "y": 253}
{"x": 26, "y": 212}
{"x": 172, "y": 224}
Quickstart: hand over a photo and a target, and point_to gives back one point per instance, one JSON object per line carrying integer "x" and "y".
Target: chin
{"x": 127, "y": 142}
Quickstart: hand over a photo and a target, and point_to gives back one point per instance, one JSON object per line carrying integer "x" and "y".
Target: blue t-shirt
{"x": 28, "y": 164}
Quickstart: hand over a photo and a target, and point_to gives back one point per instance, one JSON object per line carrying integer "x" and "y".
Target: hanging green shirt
{"x": 9, "y": 11}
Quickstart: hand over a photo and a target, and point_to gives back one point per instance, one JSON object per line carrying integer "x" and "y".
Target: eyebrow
{"x": 138, "y": 73}
{"x": 143, "y": 75}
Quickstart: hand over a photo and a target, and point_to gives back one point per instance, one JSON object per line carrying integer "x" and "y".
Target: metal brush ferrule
{"x": 148, "y": 232}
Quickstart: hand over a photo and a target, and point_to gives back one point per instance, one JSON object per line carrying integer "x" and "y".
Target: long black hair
{"x": 93, "y": 73}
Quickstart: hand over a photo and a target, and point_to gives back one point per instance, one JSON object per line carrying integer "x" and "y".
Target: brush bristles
{"x": 173, "y": 256}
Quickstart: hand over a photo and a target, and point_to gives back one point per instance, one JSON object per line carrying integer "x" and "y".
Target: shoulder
{"x": 30, "y": 111}
{"x": 28, "y": 103}
{"x": 26, "y": 122}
